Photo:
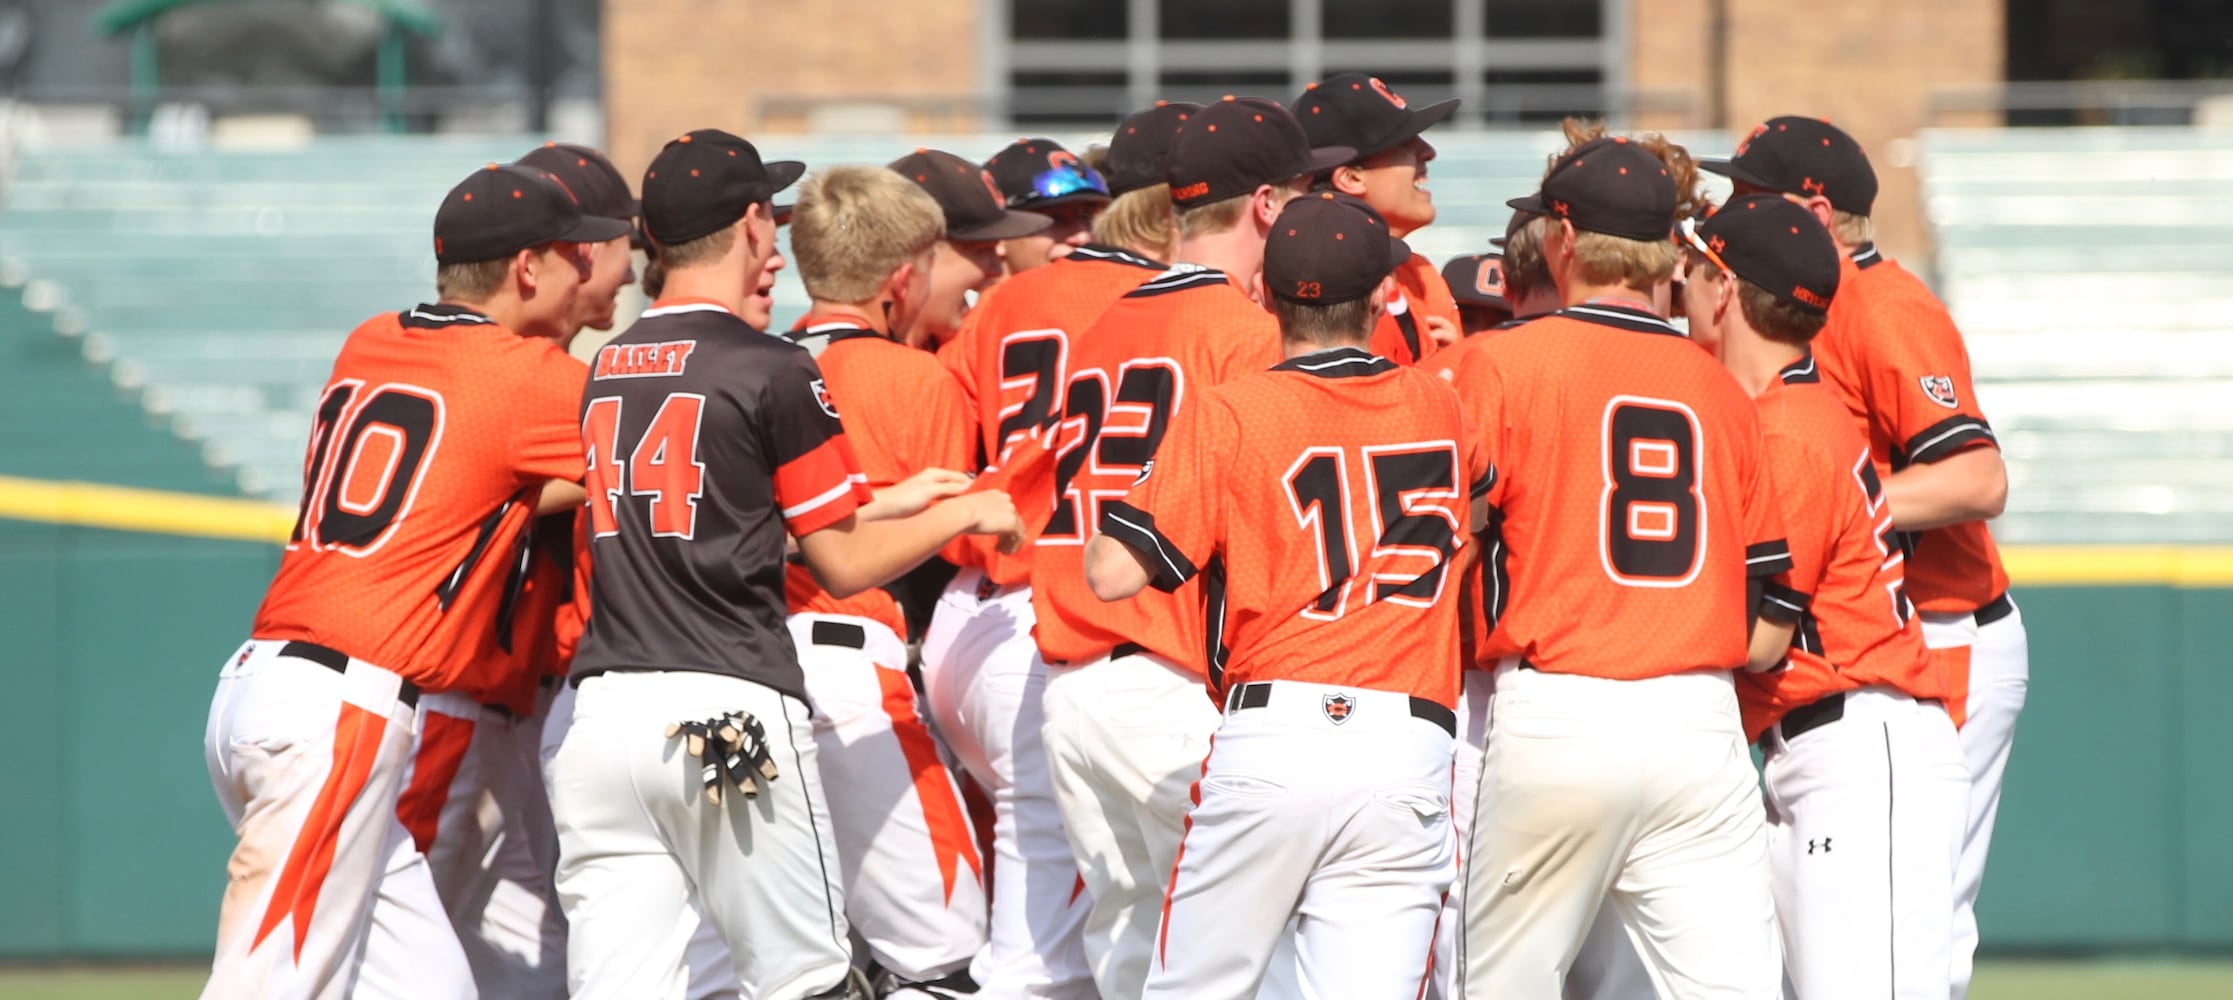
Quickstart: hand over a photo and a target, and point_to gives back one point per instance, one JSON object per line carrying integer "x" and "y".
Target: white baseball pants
{"x": 1606, "y": 967}
{"x": 914, "y": 884}
{"x": 984, "y": 681}
{"x": 1999, "y": 678}
{"x": 1864, "y": 825}
{"x": 1327, "y": 805}
{"x": 1125, "y": 739}
{"x": 638, "y": 844}
{"x": 1640, "y": 792}
{"x": 327, "y": 895}
{"x": 493, "y": 849}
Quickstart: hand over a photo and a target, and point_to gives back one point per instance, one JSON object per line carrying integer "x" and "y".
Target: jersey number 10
{"x": 355, "y": 492}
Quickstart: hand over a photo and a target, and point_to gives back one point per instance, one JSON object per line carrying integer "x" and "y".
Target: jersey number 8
{"x": 1651, "y": 524}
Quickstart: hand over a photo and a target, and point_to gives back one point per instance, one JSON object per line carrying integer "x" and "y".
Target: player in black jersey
{"x": 712, "y": 440}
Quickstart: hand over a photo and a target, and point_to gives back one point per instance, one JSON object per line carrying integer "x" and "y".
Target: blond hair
{"x": 853, "y": 226}
{"x": 1215, "y": 217}
{"x": 1140, "y": 221}
{"x": 1613, "y": 260}
{"x": 702, "y": 251}
{"x": 1852, "y": 230}
{"x": 477, "y": 281}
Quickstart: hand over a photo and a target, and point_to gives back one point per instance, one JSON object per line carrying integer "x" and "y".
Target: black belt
{"x": 1811, "y": 716}
{"x": 1995, "y": 610}
{"x": 338, "y": 662}
{"x": 845, "y": 634}
{"x": 1259, "y": 694}
{"x": 1125, "y": 649}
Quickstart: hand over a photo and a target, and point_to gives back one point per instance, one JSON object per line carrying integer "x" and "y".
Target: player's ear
{"x": 1266, "y": 203}
{"x": 527, "y": 270}
{"x": 1381, "y": 293}
{"x": 1823, "y": 213}
{"x": 1349, "y": 179}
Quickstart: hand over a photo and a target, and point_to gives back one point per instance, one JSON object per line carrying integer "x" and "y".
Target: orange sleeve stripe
{"x": 821, "y": 487}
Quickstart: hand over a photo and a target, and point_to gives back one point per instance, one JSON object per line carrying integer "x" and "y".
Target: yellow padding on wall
{"x": 2112, "y": 565}
{"x": 121, "y": 508}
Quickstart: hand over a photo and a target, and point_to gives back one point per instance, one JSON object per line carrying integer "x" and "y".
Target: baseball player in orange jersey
{"x": 1894, "y": 354}
{"x": 1038, "y": 175}
{"x": 1865, "y": 780}
{"x": 708, "y": 442}
{"x": 1630, "y": 519}
{"x": 439, "y": 431}
{"x": 968, "y": 259}
{"x": 474, "y": 803}
{"x": 914, "y": 884}
{"x": 1321, "y": 503}
{"x": 981, "y": 668}
{"x": 1126, "y": 726}
{"x": 1389, "y": 174}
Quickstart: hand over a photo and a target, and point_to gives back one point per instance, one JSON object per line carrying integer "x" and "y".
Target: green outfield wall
{"x": 2116, "y": 832}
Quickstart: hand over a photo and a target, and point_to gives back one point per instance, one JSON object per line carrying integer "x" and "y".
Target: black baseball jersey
{"x": 706, "y": 440}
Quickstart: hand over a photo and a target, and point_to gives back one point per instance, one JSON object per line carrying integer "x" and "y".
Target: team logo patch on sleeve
{"x": 1941, "y": 390}
{"x": 1338, "y": 707}
{"x": 822, "y": 397}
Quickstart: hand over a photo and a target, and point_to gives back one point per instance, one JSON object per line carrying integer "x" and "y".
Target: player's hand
{"x": 913, "y": 495}
{"x": 1441, "y": 330}
{"x": 992, "y": 512}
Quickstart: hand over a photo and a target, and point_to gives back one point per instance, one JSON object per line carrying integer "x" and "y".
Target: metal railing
{"x": 2079, "y": 102}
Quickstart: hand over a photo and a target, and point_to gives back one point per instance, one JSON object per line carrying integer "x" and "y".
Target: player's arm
{"x": 852, "y": 555}
{"x": 1953, "y": 470}
{"x": 914, "y": 494}
{"x": 1778, "y": 494}
{"x": 1968, "y": 485}
{"x": 1184, "y": 487}
{"x": 1114, "y": 570}
{"x": 558, "y": 496}
{"x": 547, "y": 444}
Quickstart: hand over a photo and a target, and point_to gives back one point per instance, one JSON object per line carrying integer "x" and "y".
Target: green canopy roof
{"x": 123, "y": 16}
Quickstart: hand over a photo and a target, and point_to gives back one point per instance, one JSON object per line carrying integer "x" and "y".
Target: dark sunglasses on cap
{"x": 1062, "y": 181}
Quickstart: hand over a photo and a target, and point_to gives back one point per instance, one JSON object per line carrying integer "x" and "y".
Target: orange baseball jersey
{"x": 431, "y": 442}
{"x": 904, "y": 413}
{"x": 535, "y": 647}
{"x": 1895, "y": 356}
{"x": 1401, "y": 335}
{"x": 1846, "y": 591}
{"x": 1012, "y": 360}
{"x": 1631, "y": 506}
{"x": 1321, "y": 503}
{"x": 1188, "y": 329}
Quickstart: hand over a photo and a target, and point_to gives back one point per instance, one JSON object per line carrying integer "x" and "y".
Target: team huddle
{"x": 1138, "y": 574}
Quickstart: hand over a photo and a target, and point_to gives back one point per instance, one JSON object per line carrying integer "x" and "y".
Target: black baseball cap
{"x": 588, "y": 174}
{"x": 500, "y": 210}
{"x": 1358, "y": 111}
{"x": 1768, "y": 240}
{"x": 1512, "y": 227}
{"x": 1803, "y": 156}
{"x": 1477, "y": 279}
{"x": 705, "y": 181}
{"x": 1611, "y": 186}
{"x": 1238, "y": 144}
{"x": 1329, "y": 249}
{"x": 966, "y": 194}
{"x": 1039, "y": 173}
{"x": 1140, "y": 152}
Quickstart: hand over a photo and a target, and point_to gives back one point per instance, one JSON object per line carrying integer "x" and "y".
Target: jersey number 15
{"x": 1412, "y": 493}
